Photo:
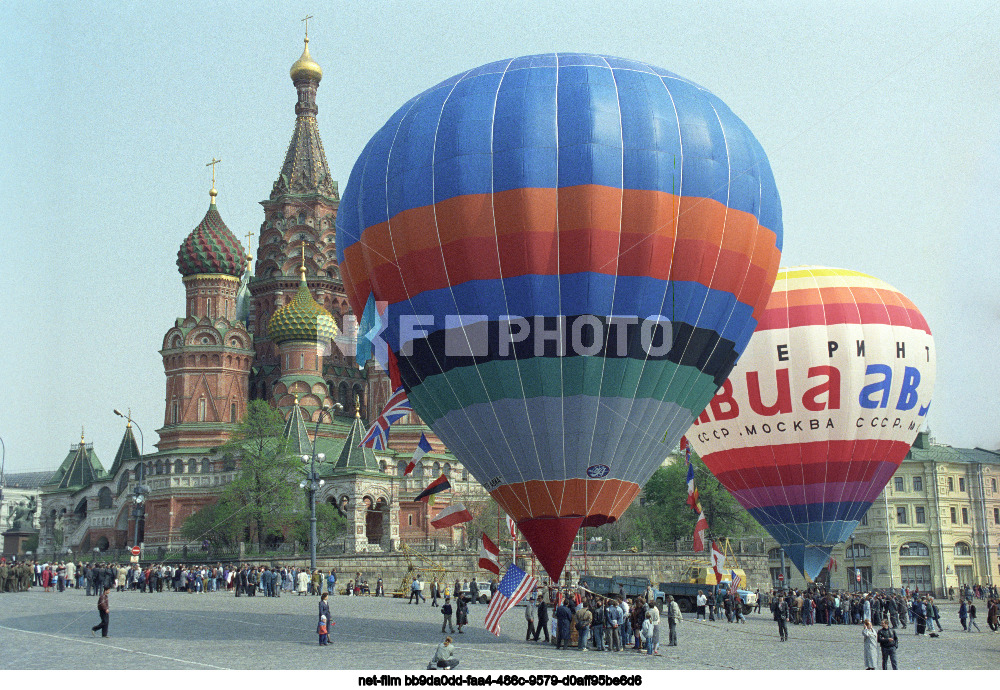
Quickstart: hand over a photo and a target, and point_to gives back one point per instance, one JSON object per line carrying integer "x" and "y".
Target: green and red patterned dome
{"x": 211, "y": 248}
{"x": 301, "y": 319}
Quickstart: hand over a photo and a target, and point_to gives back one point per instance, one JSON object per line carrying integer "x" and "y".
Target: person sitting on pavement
{"x": 445, "y": 657}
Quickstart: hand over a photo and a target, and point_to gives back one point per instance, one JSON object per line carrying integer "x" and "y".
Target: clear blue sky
{"x": 880, "y": 121}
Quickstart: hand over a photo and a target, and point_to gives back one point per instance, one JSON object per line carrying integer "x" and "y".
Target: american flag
{"x": 394, "y": 410}
{"x": 735, "y": 584}
{"x": 515, "y": 586}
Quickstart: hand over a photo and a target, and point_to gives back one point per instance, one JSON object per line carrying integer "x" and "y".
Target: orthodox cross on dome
{"x": 306, "y": 20}
{"x": 250, "y": 234}
{"x": 212, "y": 193}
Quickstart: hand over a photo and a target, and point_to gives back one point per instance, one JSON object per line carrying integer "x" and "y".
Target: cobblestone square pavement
{"x": 216, "y": 630}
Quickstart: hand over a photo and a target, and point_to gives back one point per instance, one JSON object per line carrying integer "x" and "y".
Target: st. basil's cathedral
{"x": 271, "y": 329}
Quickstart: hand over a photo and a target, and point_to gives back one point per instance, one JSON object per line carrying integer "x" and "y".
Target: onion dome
{"x": 301, "y": 319}
{"x": 211, "y": 248}
{"x": 305, "y": 67}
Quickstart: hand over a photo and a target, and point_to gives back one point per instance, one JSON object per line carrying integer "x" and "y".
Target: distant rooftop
{"x": 26, "y": 480}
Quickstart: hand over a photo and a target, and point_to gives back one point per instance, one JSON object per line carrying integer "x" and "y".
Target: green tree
{"x": 263, "y": 490}
{"x": 213, "y": 523}
{"x": 671, "y": 519}
{"x": 329, "y": 523}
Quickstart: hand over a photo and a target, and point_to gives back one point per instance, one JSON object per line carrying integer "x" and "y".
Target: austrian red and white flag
{"x": 718, "y": 562}
{"x": 489, "y": 556}
{"x": 512, "y": 528}
{"x": 700, "y": 528}
{"x": 452, "y": 515}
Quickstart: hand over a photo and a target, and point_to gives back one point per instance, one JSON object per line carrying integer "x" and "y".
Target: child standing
{"x": 324, "y": 637}
{"x": 446, "y": 611}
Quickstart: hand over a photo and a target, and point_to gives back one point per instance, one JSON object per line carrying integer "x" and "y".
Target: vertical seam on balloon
{"x": 826, "y": 467}
{"x": 406, "y": 289}
{"x": 846, "y": 495}
{"x": 614, "y": 291}
{"x": 641, "y": 456}
{"x": 892, "y": 328}
{"x": 503, "y": 289}
{"x": 867, "y": 463}
{"x": 448, "y": 278}
{"x": 680, "y": 406}
{"x": 650, "y": 439}
{"x": 791, "y": 527}
{"x": 562, "y": 402}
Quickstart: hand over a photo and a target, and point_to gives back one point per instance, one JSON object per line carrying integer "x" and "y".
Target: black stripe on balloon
{"x": 443, "y": 350}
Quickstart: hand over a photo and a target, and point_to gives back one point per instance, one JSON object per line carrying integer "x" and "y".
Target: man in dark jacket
{"x": 543, "y": 619}
{"x": 563, "y": 618}
{"x": 779, "y": 608}
{"x": 919, "y": 616}
{"x": 105, "y": 611}
{"x": 597, "y": 626}
{"x": 888, "y": 642}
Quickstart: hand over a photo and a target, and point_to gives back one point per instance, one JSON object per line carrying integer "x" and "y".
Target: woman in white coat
{"x": 302, "y": 582}
{"x": 871, "y": 648}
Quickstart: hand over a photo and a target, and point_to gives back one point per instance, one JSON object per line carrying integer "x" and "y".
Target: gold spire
{"x": 357, "y": 406}
{"x": 212, "y": 193}
{"x": 302, "y": 267}
{"x": 81, "y": 434}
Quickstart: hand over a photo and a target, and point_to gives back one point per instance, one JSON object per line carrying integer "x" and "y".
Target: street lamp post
{"x": 140, "y": 491}
{"x": 313, "y": 482}
{"x": 854, "y": 558}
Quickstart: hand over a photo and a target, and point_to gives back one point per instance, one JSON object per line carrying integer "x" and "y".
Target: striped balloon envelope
{"x": 821, "y": 409}
{"x": 574, "y": 250}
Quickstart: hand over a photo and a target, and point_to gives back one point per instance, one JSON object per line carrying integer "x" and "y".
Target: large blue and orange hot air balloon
{"x": 574, "y": 250}
{"x": 822, "y": 407}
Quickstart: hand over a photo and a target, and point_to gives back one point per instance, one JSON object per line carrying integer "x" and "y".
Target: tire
{"x": 483, "y": 599}
{"x": 685, "y": 605}
{"x": 748, "y": 609}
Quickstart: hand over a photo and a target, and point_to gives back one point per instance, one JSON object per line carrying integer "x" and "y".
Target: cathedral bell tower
{"x": 299, "y": 217}
{"x": 207, "y": 354}
{"x": 299, "y": 231}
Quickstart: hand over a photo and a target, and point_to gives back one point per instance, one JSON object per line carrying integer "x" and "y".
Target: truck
{"x": 620, "y": 584}
{"x": 702, "y": 578}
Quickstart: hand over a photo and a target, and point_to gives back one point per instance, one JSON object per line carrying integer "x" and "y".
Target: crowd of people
{"x": 585, "y": 621}
{"x": 240, "y": 579}
{"x": 568, "y": 618}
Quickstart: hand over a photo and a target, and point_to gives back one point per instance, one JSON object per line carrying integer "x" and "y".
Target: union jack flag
{"x": 394, "y": 410}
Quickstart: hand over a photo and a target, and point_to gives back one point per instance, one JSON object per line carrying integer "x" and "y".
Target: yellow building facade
{"x": 935, "y": 526}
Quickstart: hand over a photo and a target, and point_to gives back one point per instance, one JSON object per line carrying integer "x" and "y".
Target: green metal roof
{"x": 925, "y": 451}
{"x": 80, "y": 469}
{"x": 352, "y": 457}
{"x": 295, "y": 434}
{"x": 127, "y": 450}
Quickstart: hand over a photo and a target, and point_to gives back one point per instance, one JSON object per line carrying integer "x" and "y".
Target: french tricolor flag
{"x": 423, "y": 448}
